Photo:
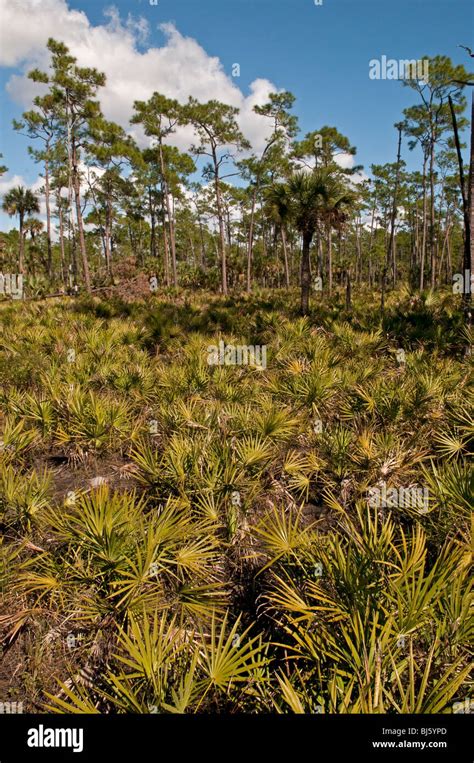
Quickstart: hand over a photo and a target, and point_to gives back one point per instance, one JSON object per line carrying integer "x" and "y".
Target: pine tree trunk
{"x": 220, "y": 216}
{"x": 305, "y": 273}
{"x": 48, "y": 216}
{"x": 425, "y": 223}
{"x": 330, "y": 258}
{"x": 203, "y": 248}
{"x": 468, "y": 211}
{"x": 80, "y": 226}
{"x": 166, "y": 262}
{"x": 390, "y": 262}
{"x": 432, "y": 218}
{"x": 170, "y": 217}
{"x": 153, "y": 224}
{"x": 250, "y": 242}
{"x": 371, "y": 240}
{"x": 61, "y": 245}
{"x": 348, "y": 290}
{"x": 172, "y": 240}
{"x": 108, "y": 227}
{"x": 469, "y": 253}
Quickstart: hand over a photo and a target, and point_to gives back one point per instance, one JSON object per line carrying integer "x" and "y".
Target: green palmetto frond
{"x": 148, "y": 650}
{"x": 16, "y": 439}
{"x": 148, "y": 462}
{"x": 23, "y": 497}
{"x": 362, "y": 342}
{"x": 312, "y": 388}
{"x": 452, "y": 487}
{"x": 45, "y": 578}
{"x": 80, "y": 703}
{"x": 275, "y": 423}
{"x": 282, "y": 536}
{"x": 243, "y": 505}
{"x": 254, "y": 451}
{"x": 230, "y": 656}
{"x": 450, "y": 444}
{"x": 418, "y": 692}
{"x": 296, "y": 700}
{"x": 100, "y": 523}
{"x": 199, "y": 602}
{"x": 93, "y": 421}
{"x": 301, "y": 469}
{"x": 38, "y": 411}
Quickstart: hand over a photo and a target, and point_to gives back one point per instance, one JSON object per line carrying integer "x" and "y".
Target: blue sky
{"x": 320, "y": 53}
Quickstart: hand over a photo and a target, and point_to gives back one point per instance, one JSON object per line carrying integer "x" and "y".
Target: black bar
{"x": 159, "y": 738}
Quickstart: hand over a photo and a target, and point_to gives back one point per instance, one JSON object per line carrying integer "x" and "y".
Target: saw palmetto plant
{"x": 179, "y": 537}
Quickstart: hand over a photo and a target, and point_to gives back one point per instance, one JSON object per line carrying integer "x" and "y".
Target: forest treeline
{"x": 291, "y": 214}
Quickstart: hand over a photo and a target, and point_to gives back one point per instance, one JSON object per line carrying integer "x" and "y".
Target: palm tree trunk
{"x": 285, "y": 256}
{"x": 21, "y": 249}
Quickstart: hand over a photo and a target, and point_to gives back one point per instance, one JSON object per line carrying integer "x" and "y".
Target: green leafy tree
{"x": 159, "y": 117}
{"x": 73, "y": 90}
{"x": 428, "y": 121}
{"x": 219, "y": 135}
{"x": 261, "y": 171}
{"x": 40, "y": 124}
{"x": 20, "y": 202}
{"x": 109, "y": 149}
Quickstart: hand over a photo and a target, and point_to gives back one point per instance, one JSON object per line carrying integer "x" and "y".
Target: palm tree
{"x": 34, "y": 227}
{"x": 307, "y": 196}
{"x": 310, "y": 200}
{"x": 279, "y": 209}
{"x": 22, "y": 202}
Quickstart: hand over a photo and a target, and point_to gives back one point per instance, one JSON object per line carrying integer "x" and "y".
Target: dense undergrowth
{"x": 180, "y": 537}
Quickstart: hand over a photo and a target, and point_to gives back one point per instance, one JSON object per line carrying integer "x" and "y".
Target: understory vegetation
{"x": 179, "y": 537}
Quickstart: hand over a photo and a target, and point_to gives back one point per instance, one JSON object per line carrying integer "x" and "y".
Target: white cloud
{"x": 179, "y": 68}
{"x": 6, "y": 183}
